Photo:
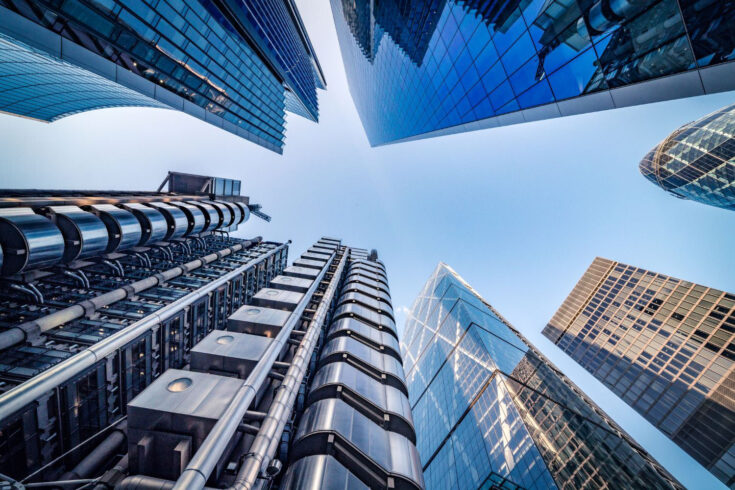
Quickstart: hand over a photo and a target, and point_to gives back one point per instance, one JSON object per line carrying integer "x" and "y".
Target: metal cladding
{"x": 320, "y": 471}
{"x": 153, "y": 224}
{"x": 211, "y": 216}
{"x": 292, "y": 283}
{"x": 259, "y": 321}
{"x": 101, "y": 294}
{"x": 277, "y": 299}
{"x": 123, "y": 228}
{"x": 72, "y": 366}
{"x": 352, "y": 327}
{"x": 237, "y": 214}
{"x": 52, "y": 235}
{"x": 307, "y": 371}
{"x": 176, "y": 221}
{"x": 171, "y": 417}
{"x": 301, "y": 272}
{"x": 224, "y": 211}
{"x": 228, "y": 353}
{"x": 358, "y": 422}
{"x": 85, "y": 235}
{"x": 28, "y": 240}
{"x": 194, "y": 216}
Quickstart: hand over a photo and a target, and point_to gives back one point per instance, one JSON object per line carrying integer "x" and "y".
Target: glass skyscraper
{"x": 491, "y": 411}
{"x": 663, "y": 345}
{"x": 237, "y": 65}
{"x": 697, "y": 161}
{"x": 424, "y": 68}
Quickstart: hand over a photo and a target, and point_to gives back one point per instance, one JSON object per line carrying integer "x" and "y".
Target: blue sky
{"x": 519, "y": 211}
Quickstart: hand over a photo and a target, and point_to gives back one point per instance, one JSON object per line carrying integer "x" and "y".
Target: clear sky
{"x": 519, "y": 211}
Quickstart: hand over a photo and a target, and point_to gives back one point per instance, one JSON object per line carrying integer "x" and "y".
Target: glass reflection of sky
{"x": 489, "y": 409}
{"x": 422, "y": 65}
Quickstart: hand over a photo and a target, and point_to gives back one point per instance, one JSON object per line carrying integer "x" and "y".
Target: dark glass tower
{"x": 237, "y": 65}
{"x": 665, "y": 347}
{"x": 143, "y": 347}
{"x": 491, "y": 411}
{"x": 423, "y": 68}
{"x": 697, "y": 161}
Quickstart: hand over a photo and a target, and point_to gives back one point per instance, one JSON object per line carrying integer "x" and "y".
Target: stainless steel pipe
{"x": 20, "y": 332}
{"x": 142, "y": 482}
{"x": 100, "y": 455}
{"x": 37, "y": 386}
{"x": 197, "y": 472}
{"x": 264, "y": 446}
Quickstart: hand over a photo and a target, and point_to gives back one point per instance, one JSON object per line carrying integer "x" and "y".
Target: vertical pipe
{"x": 266, "y": 441}
{"x": 197, "y": 472}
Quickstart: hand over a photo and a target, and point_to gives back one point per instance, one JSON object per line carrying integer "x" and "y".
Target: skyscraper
{"x": 236, "y": 65}
{"x": 665, "y": 347}
{"x": 425, "y": 68}
{"x": 141, "y": 345}
{"x": 492, "y": 411}
{"x": 697, "y": 161}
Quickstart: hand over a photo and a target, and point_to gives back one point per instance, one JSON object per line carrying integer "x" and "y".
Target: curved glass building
{"x": 237, "y": 65}
{"x": 431, "y": 67}
{"x": 697, "y": 161}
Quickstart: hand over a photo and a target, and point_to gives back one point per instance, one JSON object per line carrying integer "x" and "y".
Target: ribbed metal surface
{"x": 358, "y": 422}
{"x": 32, "y": 238}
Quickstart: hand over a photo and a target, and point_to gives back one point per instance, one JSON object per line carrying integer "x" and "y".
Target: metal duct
{"x": 152, "y": 222}
{"x": 211, "y": 215}
{"x": 28, "y": 240}
{"x": 123, "y": 228}
{"x": 20, "y": 396}
{"x": 195, "y": 216}
{"x": 176, "y": 220}
{"x": 88, "y": 466}
{"x": 85, "y": 235}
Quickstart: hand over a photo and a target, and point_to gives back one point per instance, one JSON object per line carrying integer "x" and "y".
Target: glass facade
{"x": 237, "y": 65}
{"x": 430, "y": 67}
{"x": 490, "y": 411}
{"x": 665, "y": 347}
{"x": 36, "y": 85}
{"x": 697, "y": 161}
